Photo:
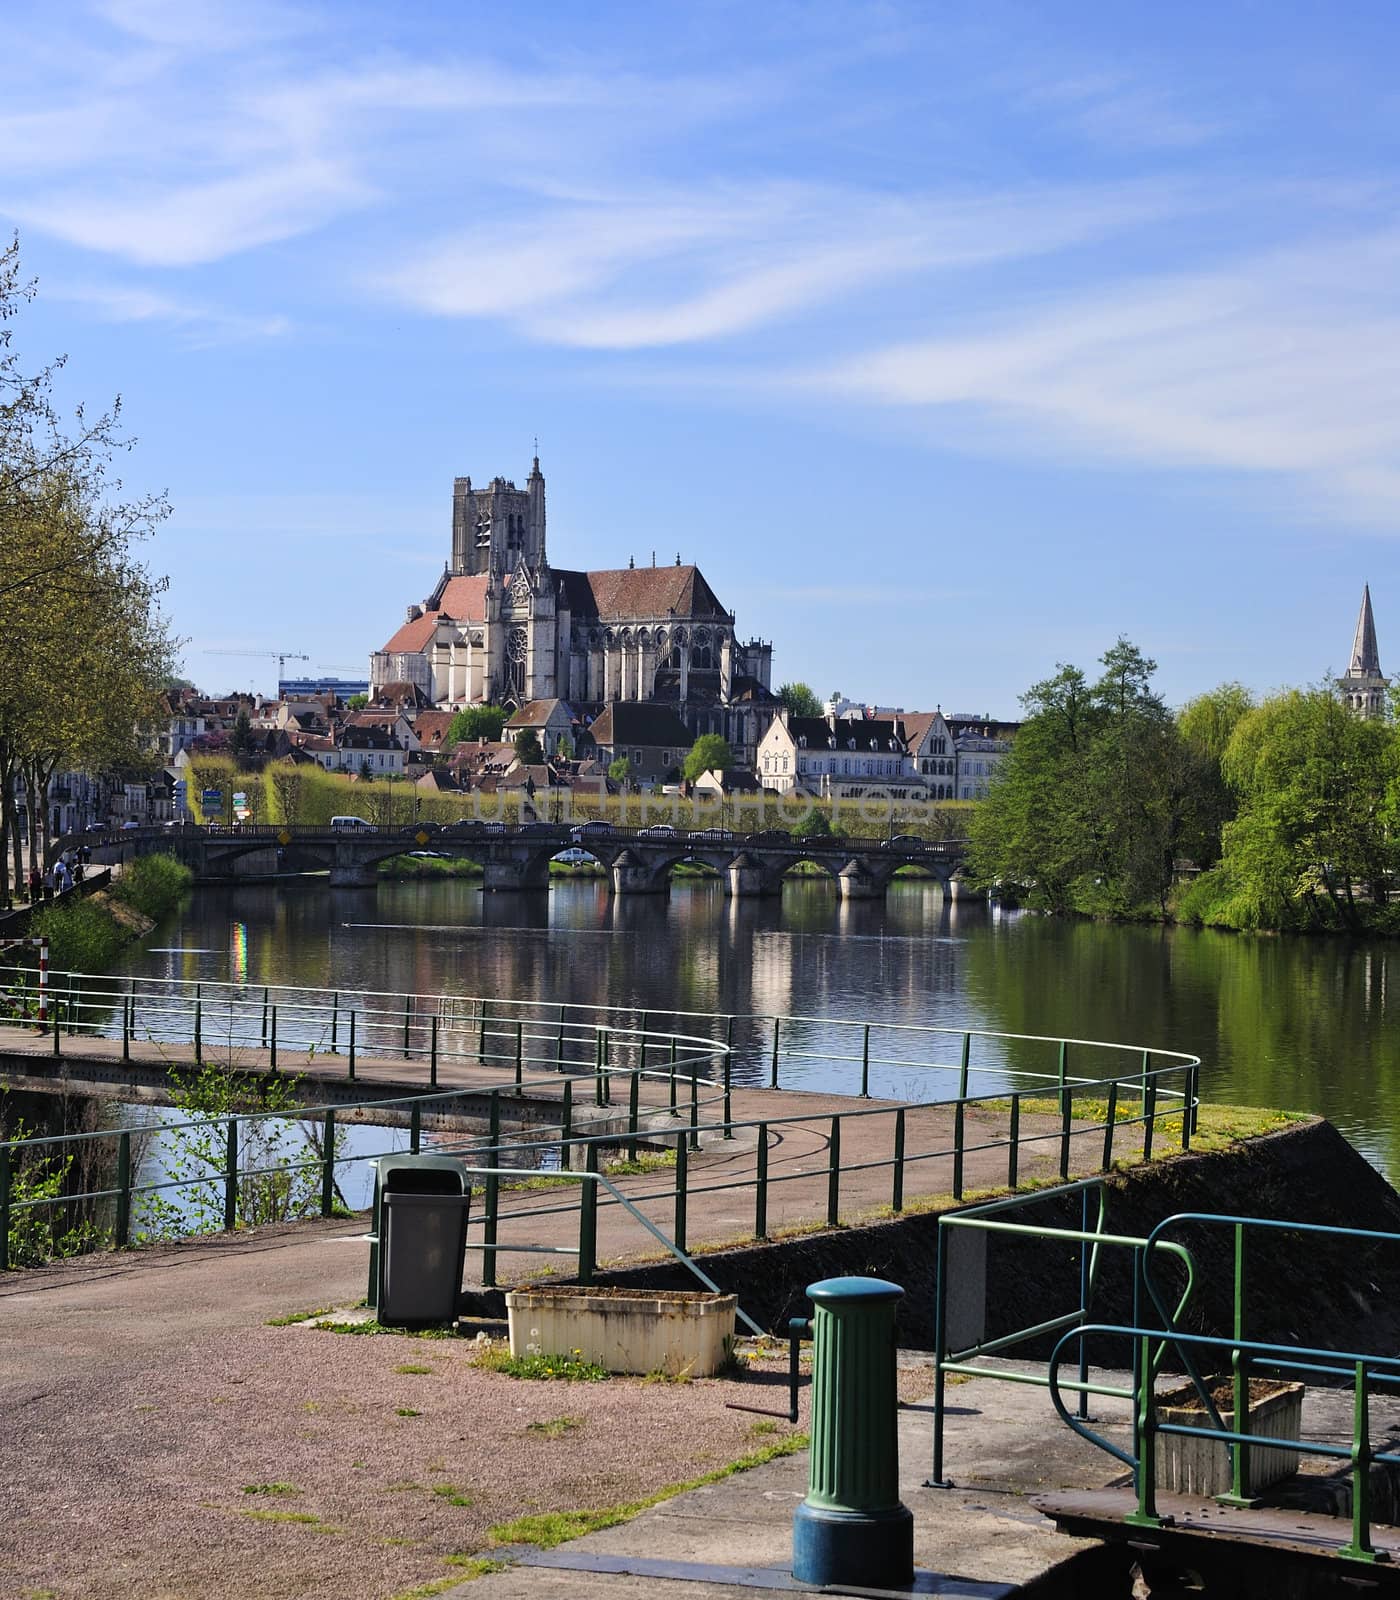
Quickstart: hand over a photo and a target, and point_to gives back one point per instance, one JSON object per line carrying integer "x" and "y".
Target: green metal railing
{"x": 1364, "y": 1372}
{"x": 569, "y": 1055}
{"x": 1091, "y": 1237}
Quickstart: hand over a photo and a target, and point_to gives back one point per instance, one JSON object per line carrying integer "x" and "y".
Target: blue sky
{"x": 951, "y": 340}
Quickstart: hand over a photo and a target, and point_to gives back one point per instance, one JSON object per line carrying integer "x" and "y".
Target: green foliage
{"x": 476, "y": 722}
{"x": 620, "y": 771}
{"x": 815, "y": 825}
{"x": 153, "y": 885}
{"x": 1093, "y": 800}
{"x": 278, "y": 1155}
{"x": 40, "y": 1228}
{"x": 82, "y": 933}
{"x": 527, "y": 748}
{"x": 357, "y": 702}
{"x": 709, "y": 753}
{"x": 570, "y": 1368}
{"x": 240, "y": 740}
{"x": 800, "y": 700}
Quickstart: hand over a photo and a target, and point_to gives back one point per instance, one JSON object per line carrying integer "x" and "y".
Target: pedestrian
{"x": 62, "y": 878}
{"x": 50, "y": 880}
{"x": 78, "y": 869}
{"x": 36, "y": 883}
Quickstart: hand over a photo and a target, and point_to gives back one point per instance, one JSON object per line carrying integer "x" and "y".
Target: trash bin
{"x": 420, "y": 1208}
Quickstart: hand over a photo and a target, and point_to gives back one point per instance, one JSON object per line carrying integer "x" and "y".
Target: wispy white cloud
{"x": 201, "y": 325}
{"x": 1285, "y": 364}
{"x": 674, "y": 267}
{"x": 1114, "y": 108}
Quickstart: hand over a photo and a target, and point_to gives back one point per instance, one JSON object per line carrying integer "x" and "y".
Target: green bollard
{"x": 852, "y": 1528}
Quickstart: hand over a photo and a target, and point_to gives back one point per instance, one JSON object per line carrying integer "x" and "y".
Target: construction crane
{"x": 282, "y": 657}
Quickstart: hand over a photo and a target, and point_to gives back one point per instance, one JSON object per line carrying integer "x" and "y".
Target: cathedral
{"x": 504, "y": 627}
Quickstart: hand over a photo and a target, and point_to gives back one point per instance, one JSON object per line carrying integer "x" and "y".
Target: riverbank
{"x": 88, "y": 931}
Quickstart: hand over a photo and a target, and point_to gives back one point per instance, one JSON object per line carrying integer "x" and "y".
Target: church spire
{"x": 1365, "y": 657}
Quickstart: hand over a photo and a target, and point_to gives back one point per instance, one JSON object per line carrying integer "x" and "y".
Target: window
{"x": 636, "y": 758}
{"x": 665, "y": 758}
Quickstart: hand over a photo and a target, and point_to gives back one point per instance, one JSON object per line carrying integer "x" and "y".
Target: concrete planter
{"x": 1194, "y": 1466}
{"x": 625, "y": 1330}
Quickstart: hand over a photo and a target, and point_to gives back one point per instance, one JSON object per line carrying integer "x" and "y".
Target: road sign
{"x": 284, "y": 837}
{"x": 212, "y": 798}
{"x": 422, "y": 837}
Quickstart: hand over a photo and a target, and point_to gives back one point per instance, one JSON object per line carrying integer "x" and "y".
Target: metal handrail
{"x": 1365, "y": 1370}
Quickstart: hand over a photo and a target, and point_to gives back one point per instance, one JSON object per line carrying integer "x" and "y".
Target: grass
{"x": 410, "y": 866}
{"x": 372, "y": 1327}
{"x": 547, "y": 1529}
{"x": 279, "y": 1516}
{"x": 555, "y": 1427}
{"x": 646, "y": 1161}
{"x": 453, "y": 1495}
{"x": 407, "y": 1411}
{"x": 296, "y": 1316}
{"x": 569, "y": 1368}
{"x": 413, "y": 1369}
{"x": 270, "y": 1488}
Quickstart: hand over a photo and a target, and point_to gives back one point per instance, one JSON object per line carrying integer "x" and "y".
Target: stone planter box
{"x": 625, "y": 1330}
{"x": 1193, "y": 1466}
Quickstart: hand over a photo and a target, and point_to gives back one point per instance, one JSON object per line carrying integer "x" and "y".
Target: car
{"x": 906, "y": 841}
{"x": 352, "y": 825}
{"x": 95, "y": 827}
{"x": 590, "y": 830}
{"x": 129, "y": 823}
{"x": 574, "y": 857}
{"x": 771, "y": 836}
{"x": 658, "y": 830}
{"x": 419, "y": 827}
{"x": 710, "y": 835}
{"x": 493, "y": 827}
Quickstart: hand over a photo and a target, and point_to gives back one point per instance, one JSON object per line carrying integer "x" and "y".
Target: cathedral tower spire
{"x": 1365, "y": 685}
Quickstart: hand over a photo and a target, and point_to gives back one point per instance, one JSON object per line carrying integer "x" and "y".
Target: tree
{"x": 527, "y": 748}
{"x": 800, "y": 700}
{"x": 620, "y": 771}
{"x": 815, "y": 825}
{"x": 84, "y": 652}
{"x": 476, "y": 722}
{"x": 357, "y": 702}
{"x": 709, "y": 753}
{"x": 241, "y": 739}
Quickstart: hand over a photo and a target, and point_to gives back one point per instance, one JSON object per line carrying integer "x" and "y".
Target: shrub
{"x": 83, "y": 935}
{"x": 153, "y": 885}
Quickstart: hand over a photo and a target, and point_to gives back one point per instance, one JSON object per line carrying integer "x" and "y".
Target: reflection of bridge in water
{"x": 635, "y": 860}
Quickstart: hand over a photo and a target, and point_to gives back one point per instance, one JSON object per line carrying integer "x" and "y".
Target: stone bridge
{"x": 515, "y": 858}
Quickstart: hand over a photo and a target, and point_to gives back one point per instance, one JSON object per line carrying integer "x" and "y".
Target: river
{"x": 1304, "y": 1024}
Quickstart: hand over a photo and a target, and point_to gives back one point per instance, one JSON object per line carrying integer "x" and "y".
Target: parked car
{"x": 771, "y": 836}
{"x": 419, "y": 827}
{"x": 590, "y": 830}
{"x": 353, "y": 825}
{"x": 658, "y": 830}
{"x": 906, "y": 841}
{"x": 711, "y": 835}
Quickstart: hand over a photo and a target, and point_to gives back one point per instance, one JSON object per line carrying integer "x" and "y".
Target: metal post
{"x": 1360, "y": 1548}
{"x": 773, "y": 1074}
{"x": 4, "y": 1208}
{"x": 674, "y": 1112}
{"x": 1145, "y": 1412}
{"x": 126, "y": 1029}
{"x": 694, "y": 1107}
{"x": 678, "y": 1233}
{"x": 833, "y": 1175}
{"x": 198, "y": 1029}
{"x": 588, "y": 1217}
{"x": 633, "y": 1093}
{"x": 415, "y": 1127}
{"x": 407, "y": 1021}
{"x": 959, "y": 1138}
{"x": 328, "y": 1164}
{"x": 273, "y": 1047}
{"x": 231, "y": 1177}
{"x": 1085, "y": 1290}
{"x": 1149, "y": 1126}
{"x": 121, "y": 1234}
{"x": 642, "y": 1049}
{"x": 897, "y": 1198}
{"x": 964, "y": 1066}
{"x": 760, "y": 1198}
{"x": 936, "y": 1480}
{"x": 1013, "y": 1155}
{"x": 335, "y": 1023}
{"x": 264, "y": 1019}
{"x": 865, "y": 1063}
{"x": 559, "y": 1043}
{"x": 1110, "y": 1122}
{"x": 1063, "y": 1069}
{"x": 1239, "y": 1372}
{"x": 519, "y": 1054}
{"x": 728, "y": 1074}
{"x": 493, "y": 1193}
{"x": 567, "y": 1131}
{"x": 607, "y": 1066}
{"x": 597, "y": 1066}
{"x": 57, "y": 1026}
{"x": 432, "y": 1050}
{"x": 481, "y": 1030}
{"x": 350, "y": 1059}
{"x": 1066, "y": 1112}
{"x": 1186, "y": 1113}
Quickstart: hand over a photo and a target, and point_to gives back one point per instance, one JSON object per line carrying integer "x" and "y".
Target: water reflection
{"x": 1297, "y": 1023}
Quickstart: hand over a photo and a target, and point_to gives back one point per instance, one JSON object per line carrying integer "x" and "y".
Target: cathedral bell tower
{"x": 497, "y": 527}
{"x": 1364, "y": 687}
